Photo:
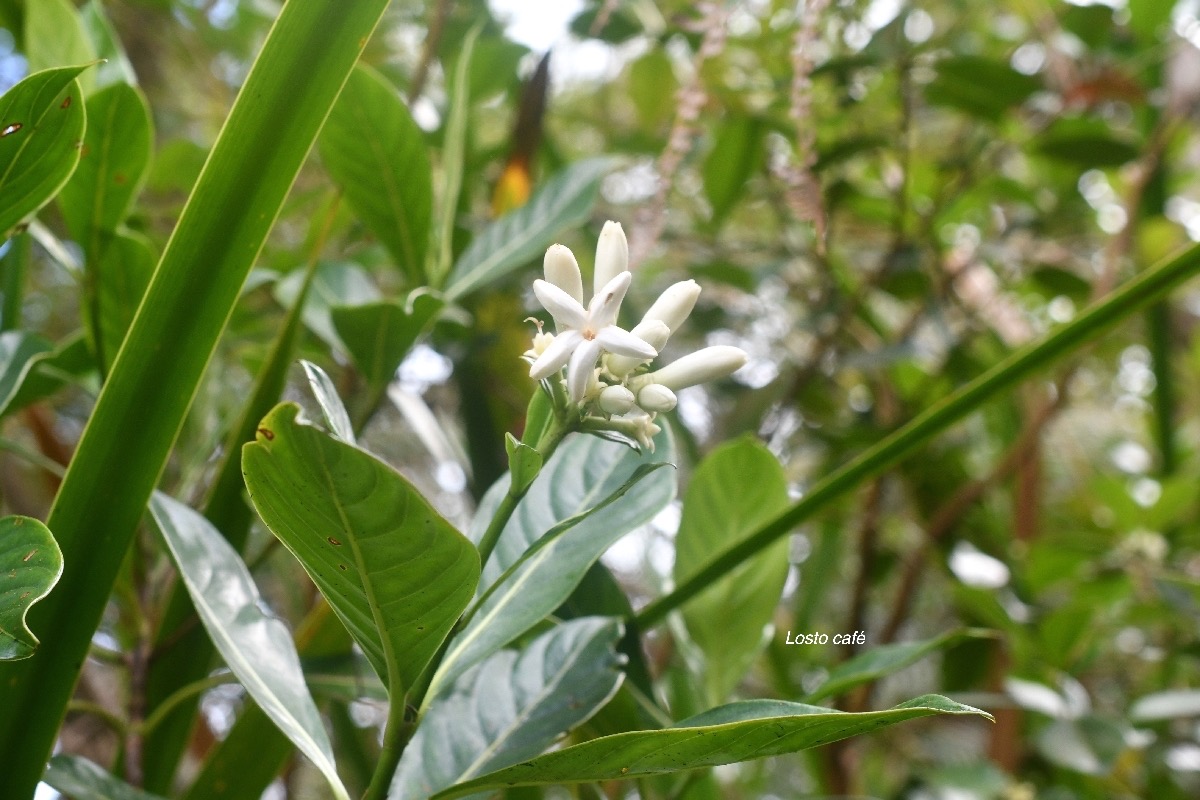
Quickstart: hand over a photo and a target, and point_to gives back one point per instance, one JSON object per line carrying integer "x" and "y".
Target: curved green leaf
{"x": 41, "y": 125}
{"x": 18, "y": 350}
{"x": 512, "y": 706}
{"x": 54, "y": 37}
{"x": 379, "y": 335}
{"x": 114, "y": 66}
{"x": 81, "y": 779}
{"x": 376, "y": 153}
{"x": 736, "y": 732}
{"x": 334, "y": 284}
{"x": 30, "y": 565}
{"x": 396, "y": 573}
{"x": 736, "y": 488}
{"x": 112, "y": 166}
{"x": 332, "y": 408}
{"x": 257, "y": 647}
{"x": 521, "y": 235}
{"x": 554, "y": 536}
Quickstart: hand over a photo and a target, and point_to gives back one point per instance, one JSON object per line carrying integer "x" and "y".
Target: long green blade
{"x": 293, "y": 84}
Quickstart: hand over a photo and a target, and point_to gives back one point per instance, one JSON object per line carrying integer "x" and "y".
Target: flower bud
{"x": 653, "y": 333}
{"x": 541, "y": 340}
{"x": 709, "y": 364}
{"x": 656, "y": 398}
{"x": 674, "y": 305}
{"x": 644, "y": 431}
{"x": 562, "y": 270}
{"x": 615, "y": 400}
{"x": 612, "y": 254}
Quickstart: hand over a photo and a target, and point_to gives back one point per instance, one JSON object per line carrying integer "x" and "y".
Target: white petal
{"x": 657, "y": 398}
{"x": 579, "y": 371}
{"x": 566, "y": 310}
{"x": 709, "y": 364}
{"x": 612, "y": 254}
{"x": 604, "y": 306}
{"x": 653, "y": 333}
{"x": 615, "y": 400}
{"x": 555, "y": 355}
{"x": 674, "y": 305}
{"x": 562, "y": 270}
{"x": 624, "y": 343}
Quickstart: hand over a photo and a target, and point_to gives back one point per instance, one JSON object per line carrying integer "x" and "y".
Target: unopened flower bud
{"x": 674, "y": 305}
{"x": 612, "y": 254}
{"x": 656, "y": 398}
{"x": 541, "y": 340}
{"x": 709, "y": 364}
{"x": 615, "y": 400}
{"x": 562, "y": 270}
{"x": 653, "y": 333}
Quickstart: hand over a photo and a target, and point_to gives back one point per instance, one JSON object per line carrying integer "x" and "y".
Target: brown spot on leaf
{"x": 66, "y": 103}
{"x": 342, "y": 567}
{"x": 267, "y": 433}
{"x": 11, "y": 128}
{"x": 30, "y": 554}
{"x": 120, "y": 179}
{"x": 333, "y": 541}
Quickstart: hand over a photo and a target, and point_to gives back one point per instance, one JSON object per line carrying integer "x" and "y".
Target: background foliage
{"x": 881, "y": 199}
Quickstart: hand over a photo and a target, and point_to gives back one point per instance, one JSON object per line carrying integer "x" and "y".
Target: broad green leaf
{"x": 521, "y": 235}
{"x": 261, "y": 147}
{"x": 17, "y": 352}
{"x": 738, "y": 151}
{"x": 335, "y": 284}
{"x": 736, "y": 488}
{"x": 512, "y": 706}
{"x": 379, "y": 335}
{"x": 112, "y": 167}
{"x": 54, "y": 37}
{"x": 30, "y": 565}
{"x": 81, "y": 779}
{"x": 41, "y": 125}
{"x": 555, "y": 516}
{"x": 1170, "y": 704}
{"x": 114, "y": 66}
{"x": 327, "y": 397}
{"x": 982, "y": 87}
{"x": 257, "y": 647}
{"x": 524, "y": 463}
{"x": 877, "y": 662}
{"x": 122, "y": 270}
{"x": 651, "y": 78}
{"x": 377, "y": 154}
{"x": 396, "y": 573}
{"x": 737, "y": 732}
{"x": 1084, "y": 142}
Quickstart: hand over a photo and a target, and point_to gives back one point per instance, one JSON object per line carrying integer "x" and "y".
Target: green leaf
{"x": 454, "y": 149}
{"x": 17, "y": 358}
{"x": 30, "y": 566}
{"x": 335, "y": 284}
{"x": 257, "y": 647}
{"x": 54, "y": 37}
{"x": 46, "y": 372}
{"x": 396, "y": 573}
{"x": 521, "y": 235}
{"x": 585, "y": 474}
{"x": 885, "y": 659}
{"x": 122, "y": 270}
{"x": 737, "y": 732}
{"x": 737, "y": 153}
{"x": 982, "y": 87}
{"x": 41, "y": 124}
{"x": 376, "y": 153}
{"x": 1171, "y": 704}
{"x": 112, "y": 168}
{"x": 81, "y": 779}
{"x": 379, "y": 335}
{"x": 734, "y": 490}
{"x": 1085, "y": 143}
{"x": 114, "y": 66}
{"x": 327, "y": 397}
{"x": 512, "y": 706}
{"x": 265, "y": 140}
{"x": 524, "y": 463}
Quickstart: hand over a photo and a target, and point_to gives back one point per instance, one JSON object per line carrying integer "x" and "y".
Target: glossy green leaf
{"x": 396, "y": 573}
{"x": 737, "y": 152}
{"x": 877, "y": 662}
{"x": 734, "y": 490}
{"x": 122, "y": 270}
{"x": 257, "y": 647}
{"x": 524, "y": 463}
{"x": 725, "y": 735}
{"x": 41, "y": 125}
{"x": 48, "y": 369}
{"x": 55, "y": 37}
{"x": 377, "y": 154}
{"x": 524, "y": 233}
{"x": 512, "y": 706}
{"x": 379, "y": 335}
{"x": 265, "y": 140}
{"x": 112, "y": 167}
{"x": 335, "y": 284}
{"x": 30, "y": 566}
{"x": 114, "y": 66}
{"x": 337, "y": 419}
{"x": 81, "y": 779}
{"x": 586, "y": 473}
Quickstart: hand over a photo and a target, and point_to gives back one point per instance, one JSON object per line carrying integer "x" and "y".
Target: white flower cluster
{"x": 607, "y": 366}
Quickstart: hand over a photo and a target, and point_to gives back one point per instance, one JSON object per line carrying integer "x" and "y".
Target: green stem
{"x": 1158, "y": 321}
{"x": 1135, "y": 294}
{"x": 396, "y": 735}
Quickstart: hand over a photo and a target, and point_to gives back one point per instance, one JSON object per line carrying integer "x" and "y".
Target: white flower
{"x": 563, "y": 271}
{"x": 674, "y": 305}
{"x": 585, "y": 333}
{"x": 612, "y": 255}
{"x": 708, "y": 364}
{"x": 616, "y": 400}
{"x": 653, "y": 333}
{"x": 656, "y": 398}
